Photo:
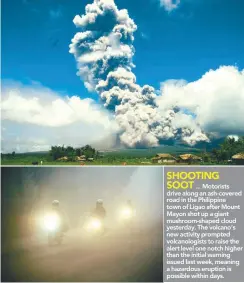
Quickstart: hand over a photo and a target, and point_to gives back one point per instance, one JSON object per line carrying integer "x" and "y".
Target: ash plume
{"x": 104, "y": 51}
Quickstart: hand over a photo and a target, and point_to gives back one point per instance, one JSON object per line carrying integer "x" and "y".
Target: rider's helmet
{"x": 99, "y": 203}
{"x": 55, "y": 204}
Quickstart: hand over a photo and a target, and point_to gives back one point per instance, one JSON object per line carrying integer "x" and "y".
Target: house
{"x": 65, "y": 158}
{"x": 81, "y": 158}
{"x": 238, "y": 158}
{"x": 164, "y": 158}
{"x": 189, "y": 158}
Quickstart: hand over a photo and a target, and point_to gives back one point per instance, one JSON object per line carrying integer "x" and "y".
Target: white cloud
{"x": 236, "y": 138}
{"x": 170, "y": 5}
{"x": 216, "y": 99}
{"x": 36, "y": 117}
{"x": 22, "y": 137}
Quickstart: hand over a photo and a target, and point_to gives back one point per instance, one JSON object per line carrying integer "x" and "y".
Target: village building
{"x": 81, "y": 158}
{"x": 64, "y": 158}
{"x": 164, "y": 158}
{"x": 189, "y": 158}
{"x": 238, "y": 158}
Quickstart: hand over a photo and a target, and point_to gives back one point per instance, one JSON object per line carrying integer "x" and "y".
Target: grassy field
{"x": 115, "y": 157}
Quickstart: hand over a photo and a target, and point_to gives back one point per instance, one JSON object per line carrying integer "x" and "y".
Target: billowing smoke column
{"x": 104, "y": 51}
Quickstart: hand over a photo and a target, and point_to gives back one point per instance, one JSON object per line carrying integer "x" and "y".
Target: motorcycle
{"x": 127, "y": 215}
{"x": 94, "y": 226}
{"x": 52, "y": 224}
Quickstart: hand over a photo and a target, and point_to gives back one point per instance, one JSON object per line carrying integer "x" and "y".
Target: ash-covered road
{"x": 118, "y": 256}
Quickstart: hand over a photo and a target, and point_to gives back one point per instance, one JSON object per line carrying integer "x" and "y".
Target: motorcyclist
{"x": 99, "y": 210}
{"x": 64, "y": 219}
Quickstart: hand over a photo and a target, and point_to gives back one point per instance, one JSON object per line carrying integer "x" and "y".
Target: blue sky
{"x": 184, "y": 44}
{"x": 175, "y": 52}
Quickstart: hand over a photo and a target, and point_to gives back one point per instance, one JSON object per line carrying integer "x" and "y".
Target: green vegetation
{"x": 71, "y": 153}
{"x": 112, "y": 157}
{"x": 227, "y": 149}
{"x": 91, "y": 156}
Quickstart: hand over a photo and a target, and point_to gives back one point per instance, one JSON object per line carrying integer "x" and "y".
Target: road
{"x": 116, "y": 257}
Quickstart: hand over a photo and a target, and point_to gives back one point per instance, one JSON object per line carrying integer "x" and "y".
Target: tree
{"x": 206, "y": 157}
{"x": 57, "y": 152}
{"x": 78, "y": 152}
{"x": 88, "y": 151}
{"x": 228, "y": 148}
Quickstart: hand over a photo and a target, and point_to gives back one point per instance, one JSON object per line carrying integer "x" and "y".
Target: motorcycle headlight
{"x": 126, "y": 213}
{"x": 94, "y": 224}
{"x": 51, "y": 222}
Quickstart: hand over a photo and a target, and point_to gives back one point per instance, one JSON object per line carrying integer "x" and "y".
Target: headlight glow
{"x": 126, "y": 213}
{"x": 96, "y": 224}
{"x": 51, "y": 222}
